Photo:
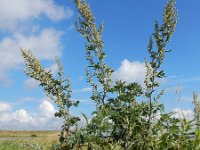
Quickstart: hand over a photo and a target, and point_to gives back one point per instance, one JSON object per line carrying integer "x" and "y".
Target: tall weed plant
{"x": 120, "y": 121}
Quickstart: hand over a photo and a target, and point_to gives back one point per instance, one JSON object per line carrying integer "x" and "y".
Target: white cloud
{"x": 47, "y": 108}
{"x": 183, "y": 113}
{"x": 18, "y": 11}
{"x": 22, "y": 116}
{"x": 130, "y": 72}
{"x": 46, "y": 45}
{"x": 22, "y": 119}
{"x": 5, "y": 107}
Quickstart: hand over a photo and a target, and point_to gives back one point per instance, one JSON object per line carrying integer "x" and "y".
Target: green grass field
{"x": 16, "y": 140}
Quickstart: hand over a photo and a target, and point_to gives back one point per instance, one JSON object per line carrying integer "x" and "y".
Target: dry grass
{"x": 13, "y": 133}
{"x": 14, "y": 140}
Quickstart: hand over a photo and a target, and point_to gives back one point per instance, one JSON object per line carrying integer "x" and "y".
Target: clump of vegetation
{"x": 120, "y": 121}
{"x": 33, "y": 135}
{"x": 33, "y": 145}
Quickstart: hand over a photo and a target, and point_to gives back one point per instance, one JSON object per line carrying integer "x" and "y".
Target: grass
{"x": 15, "y": 140}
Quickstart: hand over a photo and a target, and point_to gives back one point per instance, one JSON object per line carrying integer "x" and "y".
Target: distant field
{"x": 15, "y": 140}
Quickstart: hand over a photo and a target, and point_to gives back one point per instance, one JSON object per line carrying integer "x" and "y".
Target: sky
{"x": 46, "y": 27}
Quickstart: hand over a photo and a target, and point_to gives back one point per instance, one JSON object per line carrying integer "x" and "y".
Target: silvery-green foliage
{"x": 196, "y": 110}
{"x": 58, "y": 90}
{"x": 98, "y": 72}
{"x": 32, "y": 145}
{"x": 127, "y": 116}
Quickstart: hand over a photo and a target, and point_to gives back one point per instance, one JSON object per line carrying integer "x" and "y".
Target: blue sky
{"x": 47, "y": 28}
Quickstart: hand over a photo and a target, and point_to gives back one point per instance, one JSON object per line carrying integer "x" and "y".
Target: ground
{"x": 19, "y": 140}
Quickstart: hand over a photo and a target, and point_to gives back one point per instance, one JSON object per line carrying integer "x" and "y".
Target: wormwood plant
{"x": 120, "y": 120}
{"x": 58, "y": 90}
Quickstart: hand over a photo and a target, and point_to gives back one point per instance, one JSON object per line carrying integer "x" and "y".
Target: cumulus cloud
{"x": 18, "y": 11}
{"x": 42, "y": 119}
{"x": 183, "y": 113}
{"x": 47, "y": 108}
{"x": 22, "y": 116}
{"x": 22, "y": 119}
{"x": 5, "y": 107}
{"x": 130, "y": 72}
{"x": 45, "y": 45}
